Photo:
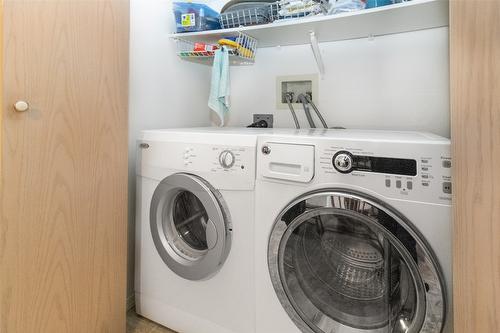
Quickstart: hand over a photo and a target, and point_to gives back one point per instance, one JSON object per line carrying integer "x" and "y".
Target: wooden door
{"x": 475, "y": 110}
{"x": 64, "y": 167}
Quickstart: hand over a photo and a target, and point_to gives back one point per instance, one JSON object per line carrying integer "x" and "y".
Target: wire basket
{"x": 280, "y": 10}
{"x": 287, "y": 9}
{"x": 246, "y": 17}
{"x": 239, "y": 46}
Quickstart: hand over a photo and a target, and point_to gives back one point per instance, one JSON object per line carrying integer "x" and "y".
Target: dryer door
{"x": 190, "y": 225}
{"x": 343, "y": 262}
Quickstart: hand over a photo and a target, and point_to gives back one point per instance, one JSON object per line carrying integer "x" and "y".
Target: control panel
{"x": 398, "y": 165}
{"x": 422, "y": 173}
{"x": 224, "y": 159}
{"x": 231, "y": 165}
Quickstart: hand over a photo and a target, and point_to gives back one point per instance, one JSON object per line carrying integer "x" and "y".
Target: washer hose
{"x": 289, "y": 99}
{"x": 302, "y": 98}
{"x": 323, "y": 122}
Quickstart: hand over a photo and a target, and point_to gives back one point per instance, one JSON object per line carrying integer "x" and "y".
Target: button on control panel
{"x": 405, "y": 184}
{"x": 447, "y": 187}
{"x": 187, "y": 156}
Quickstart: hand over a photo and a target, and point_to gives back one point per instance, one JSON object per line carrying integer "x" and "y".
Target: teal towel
{"x": 219, "y": 100}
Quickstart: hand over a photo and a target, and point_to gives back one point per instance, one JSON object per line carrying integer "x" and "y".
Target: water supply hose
{"x": 302, "y": 98}
{"x": 323, "y": 122}
{"x": 289, "y": 100}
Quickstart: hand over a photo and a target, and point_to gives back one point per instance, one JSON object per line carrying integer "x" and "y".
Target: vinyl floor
{"x": 138, "y": 324}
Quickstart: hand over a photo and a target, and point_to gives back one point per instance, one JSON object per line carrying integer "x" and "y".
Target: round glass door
{"x": 342, "y": 263}
{"x": 190, "y": 226}
{"x": 190, "y": 218}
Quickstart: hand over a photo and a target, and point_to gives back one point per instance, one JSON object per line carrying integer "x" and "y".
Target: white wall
{"x": 164, "y": 90}
{"x": 398, "y": 81}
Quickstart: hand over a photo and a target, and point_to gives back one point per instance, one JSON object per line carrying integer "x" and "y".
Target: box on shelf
{"x": 193, "y": 17}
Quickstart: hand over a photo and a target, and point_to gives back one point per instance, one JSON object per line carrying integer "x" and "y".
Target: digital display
{"x": 395, "y": 166}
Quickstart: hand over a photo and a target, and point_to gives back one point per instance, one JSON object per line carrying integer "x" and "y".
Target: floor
{"x": 138, "y": 324}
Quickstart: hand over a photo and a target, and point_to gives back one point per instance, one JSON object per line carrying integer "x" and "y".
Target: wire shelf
{"x": 240, "y": 46}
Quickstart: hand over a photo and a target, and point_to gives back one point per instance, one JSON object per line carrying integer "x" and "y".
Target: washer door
{"x": 190, "y": 226}
{"x": 342, "y": 262}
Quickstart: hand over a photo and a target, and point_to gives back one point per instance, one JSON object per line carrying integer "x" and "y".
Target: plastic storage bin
{"x": 192, "y": 17}
{"x": 378, "y": 3}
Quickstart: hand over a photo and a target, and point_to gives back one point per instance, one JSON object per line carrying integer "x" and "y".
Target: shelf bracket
{"x": 317, "y": 54}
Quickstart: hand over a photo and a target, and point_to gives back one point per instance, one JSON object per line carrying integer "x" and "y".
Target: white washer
{"x": 353, "y": 232}
{"x": 194, "y": 234}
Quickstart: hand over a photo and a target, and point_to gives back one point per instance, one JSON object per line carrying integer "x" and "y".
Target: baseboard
{"x": 130, "y": 302}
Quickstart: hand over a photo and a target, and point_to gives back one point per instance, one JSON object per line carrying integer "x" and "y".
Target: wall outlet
{"x": 267, "y": 117}
{"x": 294, "y": 86}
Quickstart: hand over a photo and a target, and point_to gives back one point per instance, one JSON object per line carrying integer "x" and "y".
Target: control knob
{"x": 343, "y": 162}
{"x": 226, "y": 159}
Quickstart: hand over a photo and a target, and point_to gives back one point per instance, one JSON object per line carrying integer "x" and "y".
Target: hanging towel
{"x": 218, "y": 100}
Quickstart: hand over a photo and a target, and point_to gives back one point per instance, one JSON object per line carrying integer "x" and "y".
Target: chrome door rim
{"x": 427, "y": 267}
{"x": 197, "y": 264}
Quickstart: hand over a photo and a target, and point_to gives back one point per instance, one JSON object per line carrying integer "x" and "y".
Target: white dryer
{"x": 353, "y": 232}
{"x": 194, "y": 233}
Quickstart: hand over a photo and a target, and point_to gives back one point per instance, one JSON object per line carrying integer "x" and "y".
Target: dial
{"x": 226, "y": 159}
{"x": 342, "y": 161}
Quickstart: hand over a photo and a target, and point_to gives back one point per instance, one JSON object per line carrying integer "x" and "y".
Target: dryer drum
{"x": 190, "y": 220}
